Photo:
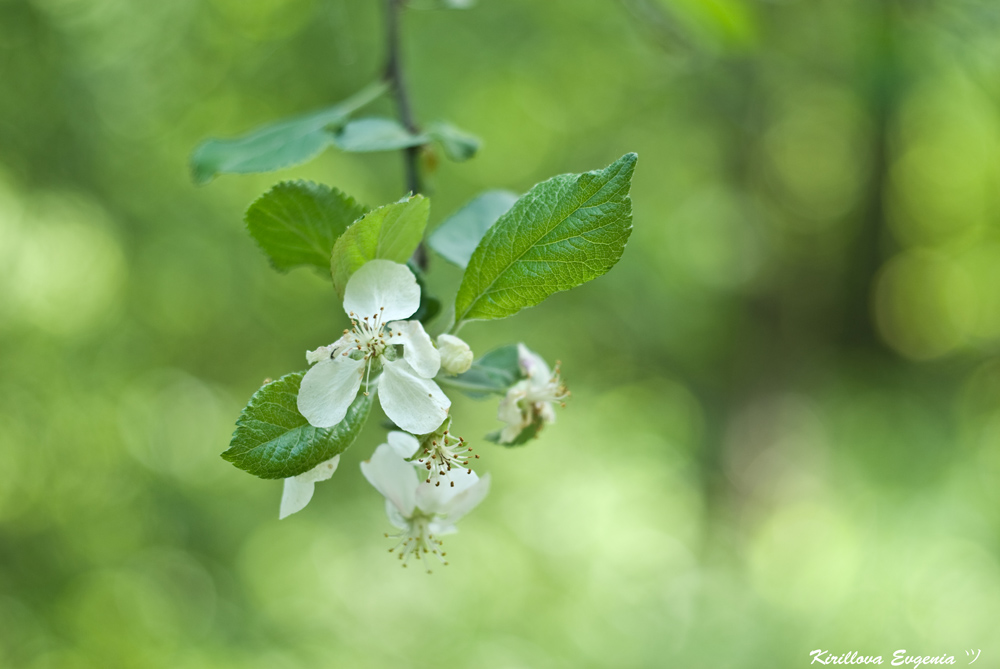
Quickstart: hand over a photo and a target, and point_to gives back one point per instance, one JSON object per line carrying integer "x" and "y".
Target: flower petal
{"x": 385, "y": 285}
{"x": 394, "y": 477}
{"x": 547, "y": 413}
{"x": 466, "y": 500}
{"x": 433, "y": 498}
{"x": 299, "y": 489}
{"x": 418, "y": 349}
{"x": 328, "y": 389}
{"x": 320, "y": 472}
{"x": 404, "y": 444}
{"x": 442, "y": 528}
{"x": 324, "y": 352}
{"x": 295, "y": 496}
{"x": 532, "y": 365}
{"x": 395, "y": 517}
{"x": 413, "y": 403}
{"x": 509, "y": 411}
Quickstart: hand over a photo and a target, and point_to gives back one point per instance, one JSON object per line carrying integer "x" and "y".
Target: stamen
{"x": 417, "y": 540}
{"x": 443, "y": 453}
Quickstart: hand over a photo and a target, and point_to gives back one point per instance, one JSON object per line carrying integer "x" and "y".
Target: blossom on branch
{"x": 528, "y": 403}
{"x": 380, "y": 350}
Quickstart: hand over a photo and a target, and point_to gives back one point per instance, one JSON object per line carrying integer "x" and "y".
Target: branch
{"x": 397, "y": 82}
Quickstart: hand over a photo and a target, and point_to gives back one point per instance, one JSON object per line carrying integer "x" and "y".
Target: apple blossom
{"x": 378, "y": 297}
{"x": 422, "y": 512}
{"x": 529, "y": 401}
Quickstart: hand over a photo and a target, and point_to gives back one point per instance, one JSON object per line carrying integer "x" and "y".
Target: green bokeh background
{"x": 785, "y": 425}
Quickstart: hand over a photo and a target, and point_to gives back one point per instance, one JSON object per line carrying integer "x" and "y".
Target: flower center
{"x": 417, "y": 541}
{"x": 367, "y": 337}
{"x": 553, "y": 390}
{"x": 442, "y": 453}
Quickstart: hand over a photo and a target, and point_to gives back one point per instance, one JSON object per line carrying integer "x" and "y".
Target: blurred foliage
{"x": 785, "y": 425}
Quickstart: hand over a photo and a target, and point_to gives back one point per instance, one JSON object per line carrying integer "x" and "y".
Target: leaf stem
{"x": 453, "y": 382}
{"x": 397, "y": 82}
{"x": 363, "y": 97}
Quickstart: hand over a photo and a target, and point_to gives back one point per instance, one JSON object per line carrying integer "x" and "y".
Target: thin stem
{"x": 453, "y": 382}
{"x": 397, "y": 82}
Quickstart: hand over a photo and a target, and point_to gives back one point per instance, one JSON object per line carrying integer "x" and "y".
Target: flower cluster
{"x": 423, "y": 470}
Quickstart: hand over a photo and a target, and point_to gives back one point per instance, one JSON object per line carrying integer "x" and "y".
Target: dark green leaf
{"x": 297, "y": 223}
{"x": 457, "y": 144}
{"x": 456, "y": 239}
{"x": 281, "y": 144}
{"x": 562, "y": 233}
{"x": 274, "y": 441}
{"x": 376, "y": 134}
{"x": 391, "y": 232}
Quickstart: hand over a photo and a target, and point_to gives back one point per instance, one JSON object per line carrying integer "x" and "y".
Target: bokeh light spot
{"x": 925, "y": 305}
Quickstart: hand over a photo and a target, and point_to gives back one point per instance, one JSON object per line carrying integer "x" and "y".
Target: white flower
{"x": 299, "y": 489}
{"x": 456, "y": 356}
{"x": 422, "y": 512}
{"x": 377, "y": 298}
{"x": 529, "y": 401}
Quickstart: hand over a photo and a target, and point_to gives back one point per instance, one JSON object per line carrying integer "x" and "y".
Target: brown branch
{"x": 397, "y": 82}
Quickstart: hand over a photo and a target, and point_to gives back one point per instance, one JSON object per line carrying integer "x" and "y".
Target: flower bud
{"x": 456, "y": 356}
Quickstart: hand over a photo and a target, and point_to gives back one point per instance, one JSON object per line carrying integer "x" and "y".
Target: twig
{"x": 394, "y": 75}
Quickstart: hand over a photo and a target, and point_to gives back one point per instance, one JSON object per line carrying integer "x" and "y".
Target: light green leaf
{"x": 297, "y": 223}
{"x": 376, "y": 134}
{"x": 392, "y": 232}
{"x": 562, "y": 233}
{"x": 276, "y": 145}
{"x": 274, "y": 441}
{"x": 493, "y": 373}
{"x": 457, "y": 144}
{"x": 458, "y": 236}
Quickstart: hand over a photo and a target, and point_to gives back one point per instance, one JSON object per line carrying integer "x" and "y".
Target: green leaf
{"x": 274, "y": 441}
{"x": 392, "y": 232}
{"x": 457, "y": 144}
{"x": 376, "y": 134}
{"x": 562, "y": 233}
{"x": 297, "y": 223}
{"x": 494, "y": 373}
{"x": 281, "y": 144}
{"x": 458, "y": 236}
